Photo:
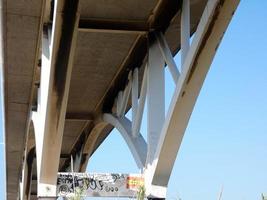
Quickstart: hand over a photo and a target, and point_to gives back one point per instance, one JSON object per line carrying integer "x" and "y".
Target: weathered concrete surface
{"x": 100, "y": 62}
{"x": 22, "y": 20}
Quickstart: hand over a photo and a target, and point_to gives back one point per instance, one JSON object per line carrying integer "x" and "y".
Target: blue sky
{"x": 225, "y": 143}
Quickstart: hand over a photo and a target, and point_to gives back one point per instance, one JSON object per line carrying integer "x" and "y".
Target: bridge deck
{"x": 112, "y": 39}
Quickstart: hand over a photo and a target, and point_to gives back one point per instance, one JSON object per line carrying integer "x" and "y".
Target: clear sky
{"x": 225, "y": 143}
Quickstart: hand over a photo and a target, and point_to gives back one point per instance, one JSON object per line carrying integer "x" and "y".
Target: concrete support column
{"x": 155, "y": 97}
{"x": 58, "y": 44}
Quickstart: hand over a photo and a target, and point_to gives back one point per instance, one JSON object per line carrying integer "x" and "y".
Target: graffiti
{"x": 134, "y": 182}
{"x": 106, "y": 185}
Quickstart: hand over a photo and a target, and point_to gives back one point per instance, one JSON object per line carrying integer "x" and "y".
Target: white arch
{"x": 137, "y": 145}
{"x": 27, "y": 168}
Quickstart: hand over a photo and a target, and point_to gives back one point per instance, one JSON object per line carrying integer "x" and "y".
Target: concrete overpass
{"x": 73, "y": 68}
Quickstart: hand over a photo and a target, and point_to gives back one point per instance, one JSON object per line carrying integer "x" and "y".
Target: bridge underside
{"x": 108, "y": 39}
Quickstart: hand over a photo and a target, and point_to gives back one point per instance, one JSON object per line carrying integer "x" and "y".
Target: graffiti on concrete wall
{"x": 99, "y": 185}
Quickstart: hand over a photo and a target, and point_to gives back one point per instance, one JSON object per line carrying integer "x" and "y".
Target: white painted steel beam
{"x": 125, "y": 97}
{"x": 77, "y": 160}
{"x": 185, "y": 30}
{"x": 57, "y": 58}
{"x": 137, "y": 145}
{"x": 166, "y": 53}
{"x": 208, "y": 36}
{"x": 155, "y": 99}
{"x": 119, "y": 102}
{"x": 141, "y": 104}
{"x": 134, "y": 99}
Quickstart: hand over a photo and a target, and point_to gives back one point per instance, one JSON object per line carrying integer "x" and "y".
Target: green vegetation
{"x": 77, "y": 195}
{"x": 141, "y": 193}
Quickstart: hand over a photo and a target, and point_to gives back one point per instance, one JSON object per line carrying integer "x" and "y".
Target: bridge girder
{"x": 157, "y": 156}
{"x": 58, "y": 44}
{"x": 165, "y": 133}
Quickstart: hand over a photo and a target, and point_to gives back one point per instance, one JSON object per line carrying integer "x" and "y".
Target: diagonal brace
{"x": 137, "y": 145}
{"x": 210, "y": 31}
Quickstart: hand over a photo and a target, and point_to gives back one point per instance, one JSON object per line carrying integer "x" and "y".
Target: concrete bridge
{"x": 72, "y": 68}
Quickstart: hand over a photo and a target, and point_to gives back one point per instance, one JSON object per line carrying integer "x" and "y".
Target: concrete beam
{"x": 79, "y": 117}
{"x": 113, "y": 26}
{"x": 57, "y": 57}
{"x": 208, "y": 36}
